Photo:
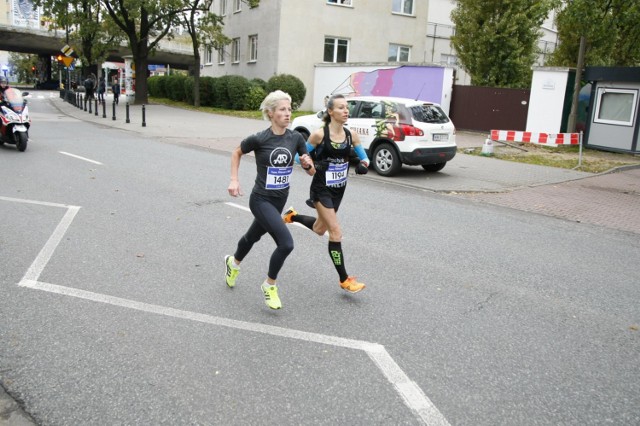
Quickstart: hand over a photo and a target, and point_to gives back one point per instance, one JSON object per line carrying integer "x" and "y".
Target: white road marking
{"x": 80, "y": 158}
{"x": 410, "y": 392}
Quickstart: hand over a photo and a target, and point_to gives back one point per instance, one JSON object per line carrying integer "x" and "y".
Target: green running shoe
{"x": 231, "y": 271}
{"x": 271, "y": 296}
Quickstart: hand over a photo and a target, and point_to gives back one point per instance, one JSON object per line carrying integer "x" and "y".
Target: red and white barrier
{"x": 551, "y": 139}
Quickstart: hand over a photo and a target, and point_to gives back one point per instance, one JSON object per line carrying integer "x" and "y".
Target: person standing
{"x": 89, "y": 88}
{"x": 332, "y": 144}
{"x": 115, "y": 88}
{"x": 102, "y": 88}
{"x": 275, "y": 149}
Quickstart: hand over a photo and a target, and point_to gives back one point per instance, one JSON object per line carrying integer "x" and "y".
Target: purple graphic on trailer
{"x": 405, "y": 82}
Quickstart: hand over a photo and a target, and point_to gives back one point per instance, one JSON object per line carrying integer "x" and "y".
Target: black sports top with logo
{"x": 332, "y": 165}
{"x": 274, "y": 160}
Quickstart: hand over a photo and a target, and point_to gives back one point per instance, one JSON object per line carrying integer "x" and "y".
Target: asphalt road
{"x": 114, "y": 309}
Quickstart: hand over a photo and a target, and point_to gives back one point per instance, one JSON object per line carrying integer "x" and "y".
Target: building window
{"x": 223, "y": 7}
{"x": 403, "y": 6}
{"x": 208, "y": 55}
{"x": 342, "y": 2}
{"x": 448, "y": 59}
{"x": 235, "y": 51}
{"x": 253, "y": 48}
{"x": 336, "y": 49}
{"x": 615, "y": 106}
{"x": 221, "y": 56}
{"x": 399, "y": 53}
{"x": 237, "y": 6}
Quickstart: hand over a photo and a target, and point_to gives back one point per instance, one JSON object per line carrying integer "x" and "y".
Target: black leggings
{"x": 267, "y": 212}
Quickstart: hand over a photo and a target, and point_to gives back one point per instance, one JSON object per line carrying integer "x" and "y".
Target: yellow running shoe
{"x": 232, "y": 271}
{"x": 271, "y": 295}
{"x": 351, "y": 285}
{"x": 288, "y": 215}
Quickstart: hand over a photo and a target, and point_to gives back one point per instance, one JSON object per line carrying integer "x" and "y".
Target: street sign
{"x": 67, "y": 60}
{"x": 67, "y": 50}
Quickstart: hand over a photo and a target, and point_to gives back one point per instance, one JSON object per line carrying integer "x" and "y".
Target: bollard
{"x": 487, "y": 148}
{"x": 144, "y": 123}
{"x": 78, "y": 104}
{"x": 127, "y": 110}
{"x": 104, "y": 109}
{"x": 95, "y": 102}
{"x": 88, "y": 102}
{"x": 114, "y": 111}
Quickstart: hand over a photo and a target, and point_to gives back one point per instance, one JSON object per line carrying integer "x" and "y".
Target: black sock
{"x": 307, "y": 221}
{"x": 335, "y": 251}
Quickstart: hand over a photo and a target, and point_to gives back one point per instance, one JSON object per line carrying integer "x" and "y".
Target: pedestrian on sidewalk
{"x": 332, "y": 145}
{"x": 274, "y": 149}
{"x": 115, "y": 88}
{"x": 89, "y": 89}
{"x": 102, "y": 88}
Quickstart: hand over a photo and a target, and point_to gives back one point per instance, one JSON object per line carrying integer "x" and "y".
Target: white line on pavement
{"x": 410, "y": 392}
{"x": 80, "y": 158}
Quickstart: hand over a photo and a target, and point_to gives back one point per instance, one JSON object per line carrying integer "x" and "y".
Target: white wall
{"x": 548, "y": 88}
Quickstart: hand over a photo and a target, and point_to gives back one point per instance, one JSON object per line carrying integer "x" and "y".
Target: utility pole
{"x": 573, "y": 115}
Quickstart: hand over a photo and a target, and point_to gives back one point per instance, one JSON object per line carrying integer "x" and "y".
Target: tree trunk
{"x": 196, "y": 80}
{"x": 141, "y": 64}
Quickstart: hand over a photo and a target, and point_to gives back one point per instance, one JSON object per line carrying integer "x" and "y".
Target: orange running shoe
{"x": 288, "y": 215}
{"x": 351, "y": 285}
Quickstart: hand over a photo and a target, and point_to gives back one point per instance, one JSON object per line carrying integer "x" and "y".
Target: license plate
{"x": 440, "y": 137}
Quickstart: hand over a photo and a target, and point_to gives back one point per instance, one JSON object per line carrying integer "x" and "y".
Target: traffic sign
{"x": 67, "y": 50}
{"x": 67, "y": 60}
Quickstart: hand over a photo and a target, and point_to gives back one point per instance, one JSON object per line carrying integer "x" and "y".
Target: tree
{"x": 496, "y": 40}
{"x": 145, "y": 23}
{"x": 610, "y": 28}
{"x": 205, "y": 29}
{"x": 88, "y": 33}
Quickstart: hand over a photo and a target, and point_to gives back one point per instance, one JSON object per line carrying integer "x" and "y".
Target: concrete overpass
{"x": 49, "y": 43}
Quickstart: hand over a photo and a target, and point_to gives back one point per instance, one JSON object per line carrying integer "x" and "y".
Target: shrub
{"x": 220, "y": 94}
{"x": 289, "y": 84}
{"x": 153, "y": 86}
{"x": 237, "y": 89}
{"x": 175, "y": 87}
{"x": 187, "y": 87}
{"x": 254, "y": 98}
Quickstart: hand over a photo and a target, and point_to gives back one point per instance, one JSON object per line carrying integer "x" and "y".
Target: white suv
{"x": 395, "y": 131}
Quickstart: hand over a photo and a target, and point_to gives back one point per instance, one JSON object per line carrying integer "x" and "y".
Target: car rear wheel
{"x": 434, "y": 167}
{"x": 386, "y": 161}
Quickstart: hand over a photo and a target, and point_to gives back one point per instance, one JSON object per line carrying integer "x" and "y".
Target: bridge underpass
{"x": 48, "y": 43}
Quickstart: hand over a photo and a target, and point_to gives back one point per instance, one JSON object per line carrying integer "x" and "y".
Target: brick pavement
{"x": 611, "y": 200}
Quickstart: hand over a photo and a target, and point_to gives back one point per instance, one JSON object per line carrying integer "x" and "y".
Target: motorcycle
{"x": 14, "y": 115}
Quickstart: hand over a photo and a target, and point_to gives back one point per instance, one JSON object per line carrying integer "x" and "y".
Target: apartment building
{"x": 291, "y": 36}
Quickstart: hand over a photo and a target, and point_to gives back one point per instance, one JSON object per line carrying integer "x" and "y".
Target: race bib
{"x": 278, "y": 177}
{"x": 336, "y": 174}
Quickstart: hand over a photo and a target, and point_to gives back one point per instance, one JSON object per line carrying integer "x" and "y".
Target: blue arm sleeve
{"x": 360, "y": 153}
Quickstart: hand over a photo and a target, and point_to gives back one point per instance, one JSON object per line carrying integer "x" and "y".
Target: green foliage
{"x": 221, "y": 93}
{"x": 611, "y": 30}
{"x": 289, "y": 84}
{"x": 175, "y": 87}
{"x": 154, "y": 88}
{"x": 254, "y": 97}
{"x": 237, "y": 88}
{"x": 258, "y": 82}
{"x": 187, "y": 87}
{"x": 206, "y": 91}
{"x": 496, "y": 40}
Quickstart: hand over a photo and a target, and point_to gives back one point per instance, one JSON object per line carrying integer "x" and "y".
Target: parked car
{"x": 395, "y": 131}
